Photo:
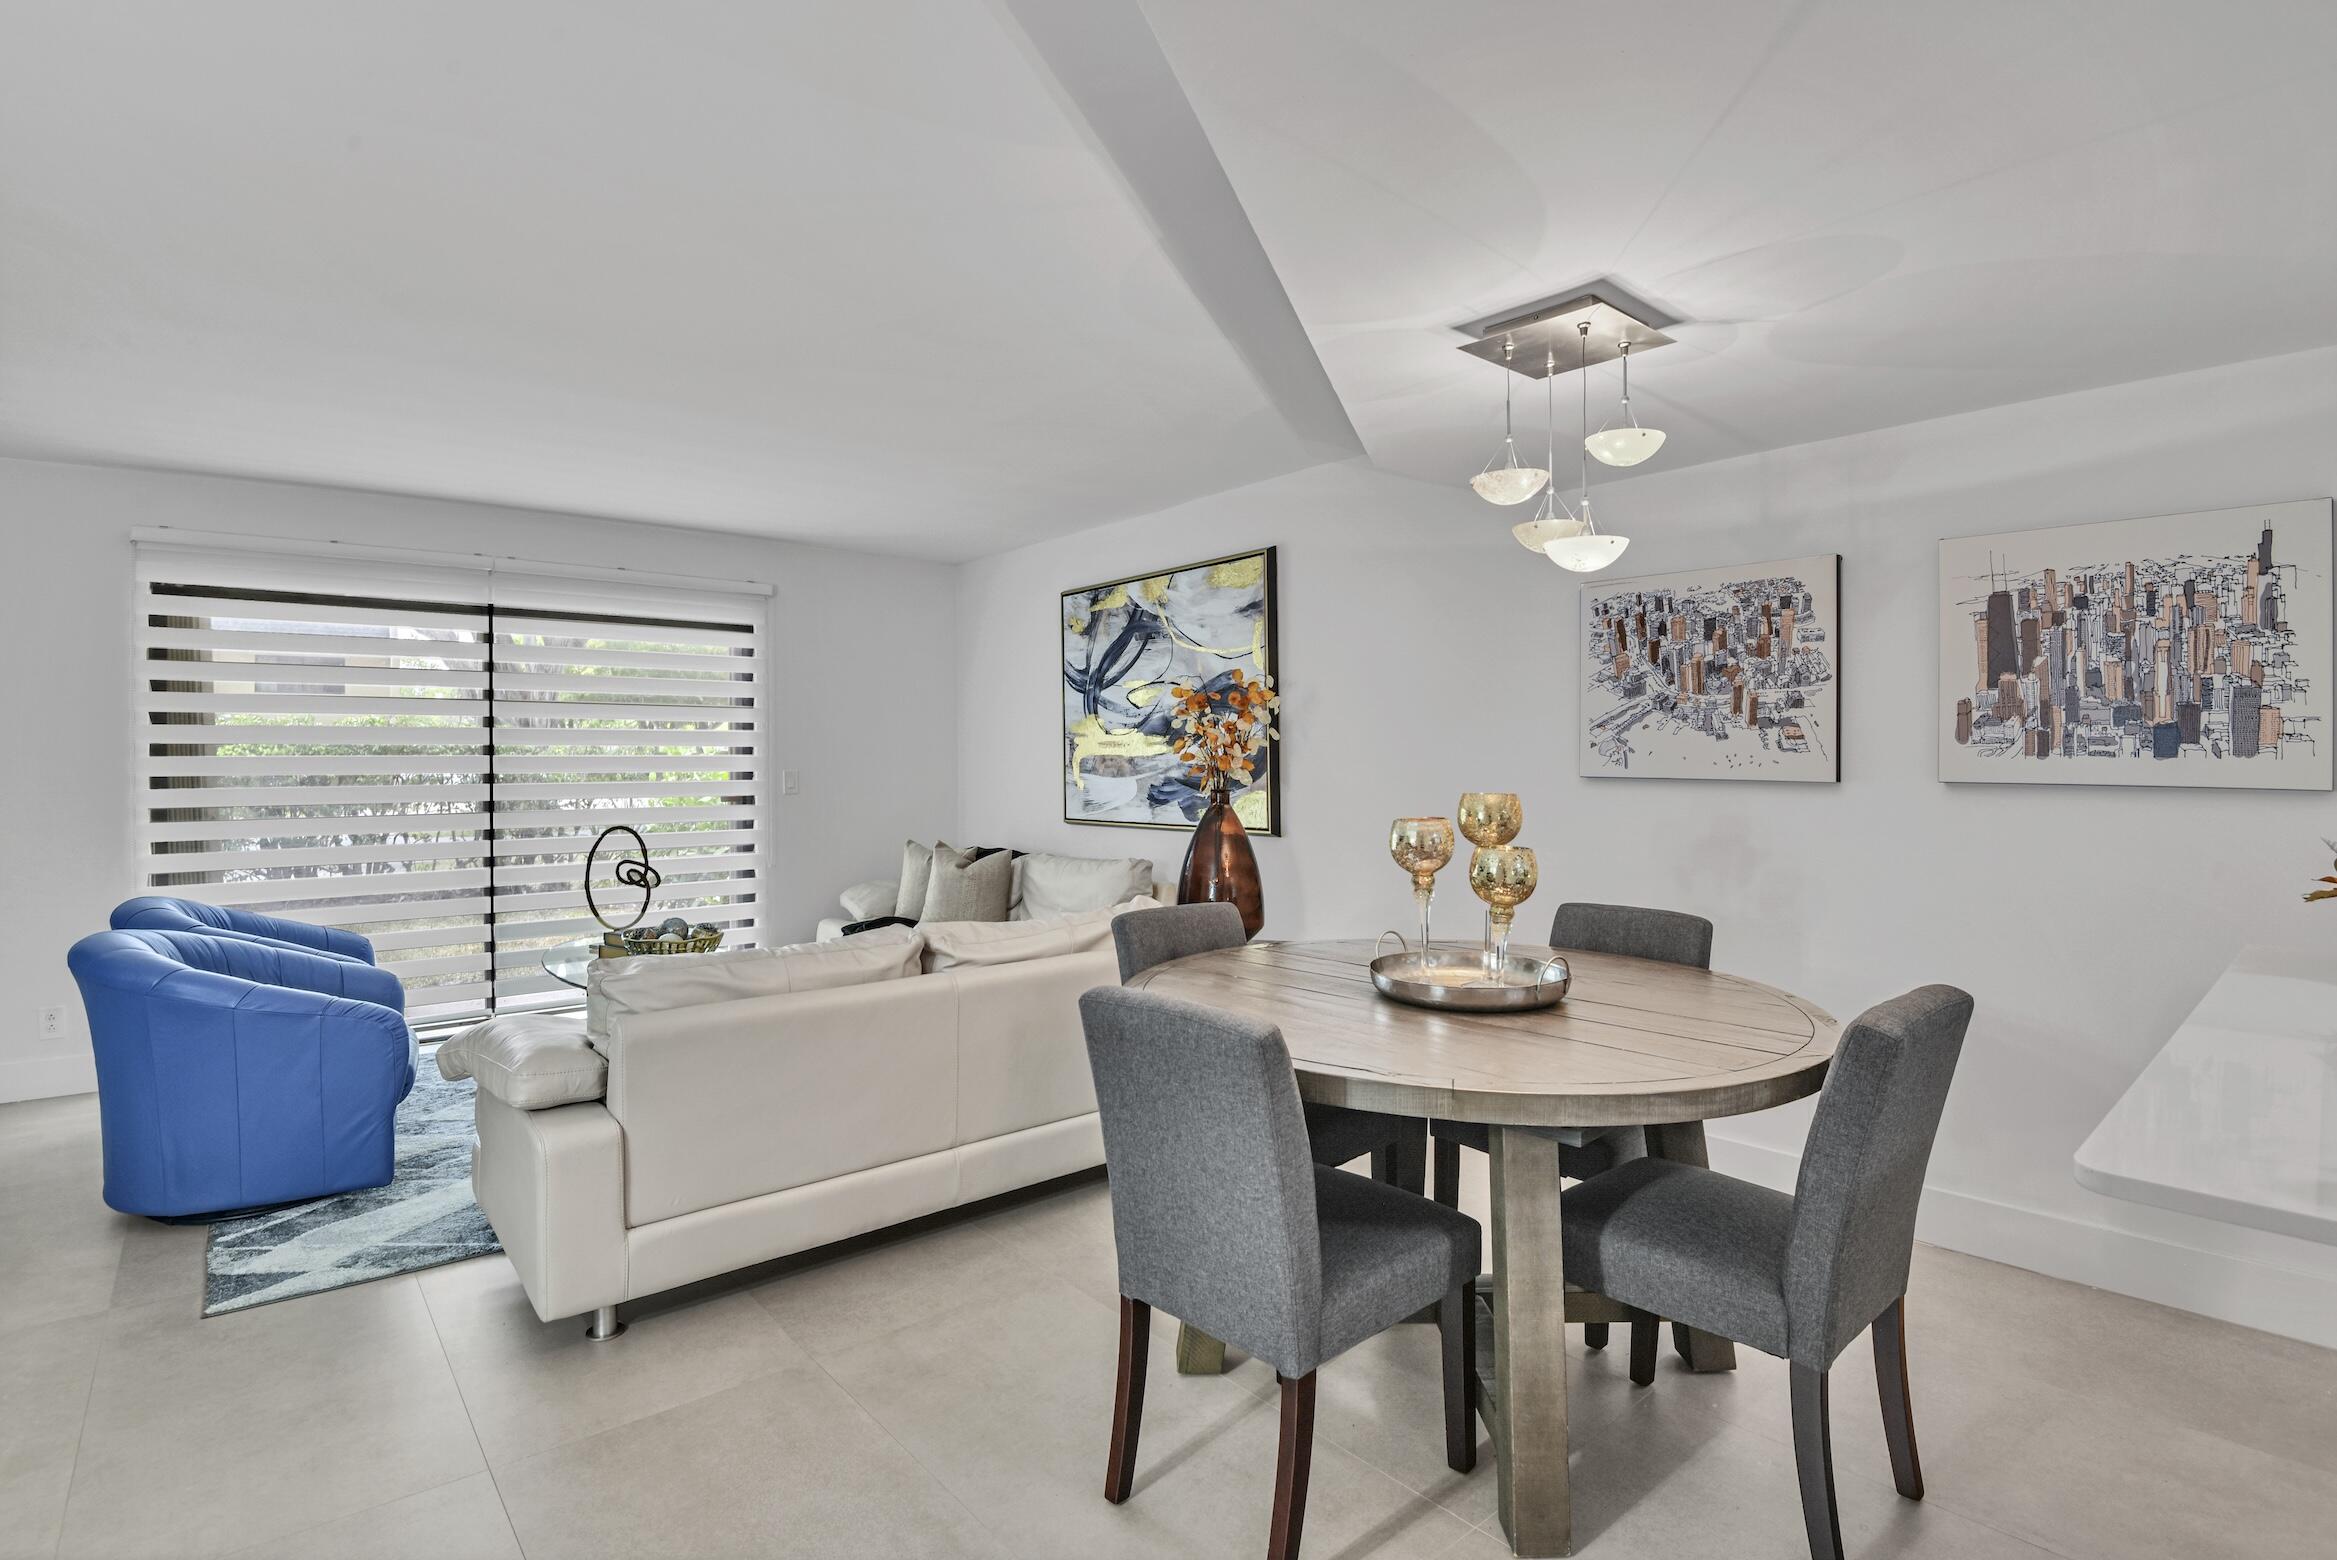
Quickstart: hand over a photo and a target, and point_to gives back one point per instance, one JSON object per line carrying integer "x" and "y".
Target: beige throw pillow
{"x": 529, "y": 1061}
{"x": 964, "y": 889}
{"x": 916, "y": 873}
{"x": 952, "y": 945}
{"x": 652, "y": 983}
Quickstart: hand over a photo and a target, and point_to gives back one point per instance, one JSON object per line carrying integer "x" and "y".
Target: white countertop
{"x": 2236, "y": 1119}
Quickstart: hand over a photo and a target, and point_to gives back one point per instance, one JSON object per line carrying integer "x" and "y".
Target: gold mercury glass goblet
{"x": 1504, "y": 877}
{"x": 1421, "y": 847}
{"x": 1490, "y": 818}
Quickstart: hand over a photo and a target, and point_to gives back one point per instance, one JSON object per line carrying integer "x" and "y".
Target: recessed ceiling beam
{"x": 1115, "y": 80}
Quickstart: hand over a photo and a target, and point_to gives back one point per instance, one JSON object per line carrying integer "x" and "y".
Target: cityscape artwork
{"x": 1716, "y": 674}
{"x": 2184, "y": 650}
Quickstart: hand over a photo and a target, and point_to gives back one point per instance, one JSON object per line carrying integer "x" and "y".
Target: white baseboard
{"x": 2255, "y": 1294}
{"x": 44, "y": 1077}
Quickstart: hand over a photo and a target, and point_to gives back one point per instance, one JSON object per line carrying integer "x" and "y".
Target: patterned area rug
{"x": 423, "y": 1218}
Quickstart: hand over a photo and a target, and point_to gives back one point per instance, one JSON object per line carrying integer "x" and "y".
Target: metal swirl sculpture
{"x": 631, "y": 871}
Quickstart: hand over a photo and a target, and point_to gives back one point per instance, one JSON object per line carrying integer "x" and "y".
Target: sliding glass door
{"x": 431, "y": 770}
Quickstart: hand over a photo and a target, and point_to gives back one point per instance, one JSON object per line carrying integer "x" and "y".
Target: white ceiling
{"x": 943, "y": 276}
{"x": 1869, "y": 212}
{"x": 842, "y": 271}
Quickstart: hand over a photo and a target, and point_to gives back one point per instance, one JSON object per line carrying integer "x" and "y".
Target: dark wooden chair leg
{"x": 1409, "y": 1169}
{"x": 1448, "y": 1171}
{"x": 1456, "y": 1316}
{"x": 1890, "y": 1378}
{"x": 1644, "y": 1333}
{"x": 1813, "y": 1461}
{"x": 1291, "y": 1466}
{"x": 1128, "y": 1398}
{"x": 1594, "y": 1335}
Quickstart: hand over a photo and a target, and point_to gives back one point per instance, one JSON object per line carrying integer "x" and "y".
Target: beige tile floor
{"x": 946, "y": 1392}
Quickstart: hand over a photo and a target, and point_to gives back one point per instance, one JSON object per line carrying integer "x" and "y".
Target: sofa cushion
{"x": 529, "y": 1061}
{"x": 1069, "y": 885}
{"x": 953, "y": 945}
{"x": 968, "y": 886}
{"x": 867, "y": 901}
{"x": 650, "y": 983}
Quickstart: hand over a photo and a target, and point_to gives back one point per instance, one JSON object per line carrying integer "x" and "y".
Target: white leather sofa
{"x": 733, "y": 1132}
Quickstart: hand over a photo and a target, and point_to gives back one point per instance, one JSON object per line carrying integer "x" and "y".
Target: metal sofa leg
{"x": 604, "y": 1325}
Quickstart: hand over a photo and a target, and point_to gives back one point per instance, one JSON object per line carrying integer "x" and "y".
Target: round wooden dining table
{"x": 1634, "y": 1043}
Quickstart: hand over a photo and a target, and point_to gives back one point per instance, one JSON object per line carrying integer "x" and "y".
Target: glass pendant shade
{"x": 1629, "y": 444}
{"x": 1623, "y": 446}
{"x": 1509, "y": 484}
{"x": 1534, "y": 534}
{"x": 1585, "y": 554}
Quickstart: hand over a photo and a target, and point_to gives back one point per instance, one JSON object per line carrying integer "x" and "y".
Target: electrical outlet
{"x": 790, "y": 782}
{"x": 52, "y": 1023}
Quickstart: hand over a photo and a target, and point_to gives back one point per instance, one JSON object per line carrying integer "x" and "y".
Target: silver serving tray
{"x": 1455, "y": 981}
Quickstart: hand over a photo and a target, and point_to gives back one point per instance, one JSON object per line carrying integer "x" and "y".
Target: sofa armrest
{"x": 867, "y": 901}
{"x": 552, "y": 1183}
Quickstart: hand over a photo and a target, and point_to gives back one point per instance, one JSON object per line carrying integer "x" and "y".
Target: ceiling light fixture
{"x": 1577, "y": 545}
{"x": 1629, "y": 445}
{"x": 1562, "y": 532}
{"x": 1509, "y": 483}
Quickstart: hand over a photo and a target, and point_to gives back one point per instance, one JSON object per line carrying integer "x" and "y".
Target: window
{"x": 430, "y": 770}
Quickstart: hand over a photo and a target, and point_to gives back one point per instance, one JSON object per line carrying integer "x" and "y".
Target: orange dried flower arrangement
{"x": 1220, "y": 731}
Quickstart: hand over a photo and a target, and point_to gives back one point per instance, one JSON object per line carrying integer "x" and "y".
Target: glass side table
{"x": 570, "y": 961}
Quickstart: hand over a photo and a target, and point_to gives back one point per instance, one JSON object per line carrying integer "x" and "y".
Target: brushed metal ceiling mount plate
{"x": 1549, "y": 329}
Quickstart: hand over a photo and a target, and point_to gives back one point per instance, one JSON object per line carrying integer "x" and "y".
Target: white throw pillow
{"x": 867, "y": 901}
{"x": 951, "y": 945}
{"x": 651, "y": 983}
{"x": 1070, "y": 885}
{"x": 529, "y": 1061}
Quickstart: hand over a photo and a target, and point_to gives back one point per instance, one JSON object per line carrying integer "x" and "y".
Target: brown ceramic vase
{"x": 1220, "y": 867}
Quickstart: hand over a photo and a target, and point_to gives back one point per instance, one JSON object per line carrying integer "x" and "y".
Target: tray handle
{"x": 1381, "y": 941}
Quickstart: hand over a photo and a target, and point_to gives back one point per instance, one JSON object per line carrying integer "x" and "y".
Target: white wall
{"x": 1424, "y": 653}
{"x": 859, "y": 650}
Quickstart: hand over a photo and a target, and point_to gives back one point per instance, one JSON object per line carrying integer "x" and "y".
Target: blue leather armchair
{"x": 157, "y": 913}
{"x": 234, "y": 1072}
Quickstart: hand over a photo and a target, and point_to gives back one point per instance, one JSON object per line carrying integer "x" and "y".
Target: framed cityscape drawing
{"x": 1715, "y": 674}
{"x": 2181, "y": 650}
{"x": 1124, "y": 642}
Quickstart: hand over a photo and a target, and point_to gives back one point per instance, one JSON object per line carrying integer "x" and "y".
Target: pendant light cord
{"x": 1584, "y": 370}
{"x": 1550, "y": 430}
{"x": 1508, "y": 432}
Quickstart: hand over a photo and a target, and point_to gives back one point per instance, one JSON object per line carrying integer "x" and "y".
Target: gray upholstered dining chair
{"x": 1668, "y": 936}
{"x": 1221, "y": 1218}
{"x": 1398, "y": 1145}
{"x": 1798, "y": 1277}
